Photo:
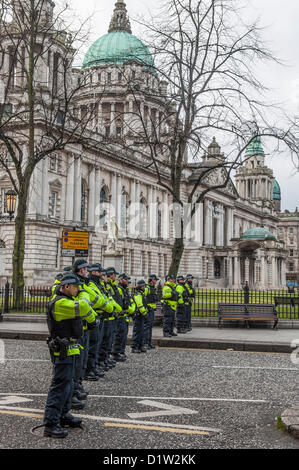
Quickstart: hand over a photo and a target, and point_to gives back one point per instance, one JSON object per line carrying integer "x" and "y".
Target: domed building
{"x": 104, "y": 192}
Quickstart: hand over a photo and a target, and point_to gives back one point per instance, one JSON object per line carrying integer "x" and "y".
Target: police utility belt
{"x": 60, "y": 346}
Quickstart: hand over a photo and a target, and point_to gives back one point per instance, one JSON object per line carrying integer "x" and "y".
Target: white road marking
{"x": 256, "y": 367}
{"x": 169, "y": 410}
{"x": 119, "y": 420}
{"x": 11, "y": 399}
{"x": 241, "y": 400}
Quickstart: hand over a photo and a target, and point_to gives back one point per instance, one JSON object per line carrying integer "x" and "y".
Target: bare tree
{"x": 38, "y": 91}
{"x": 207, "y": 58}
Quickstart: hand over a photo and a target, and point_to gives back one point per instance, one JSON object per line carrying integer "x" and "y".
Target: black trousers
{"x": 59, "y": 400}
{"x": 119, "y": 335}
{"x": 168, "y": 318}
{"x": 138, "y": 332}
{"x": 148, "y": 325}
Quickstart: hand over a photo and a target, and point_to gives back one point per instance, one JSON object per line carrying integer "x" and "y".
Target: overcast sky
{"x": 280, "y": 17}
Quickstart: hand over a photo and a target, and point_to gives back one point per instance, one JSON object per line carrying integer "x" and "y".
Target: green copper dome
{"x": 116, "y": 48}
{"x": 259, "y": 233}
{"x": 276, "y": 191}
{"x": 255, "y": 147}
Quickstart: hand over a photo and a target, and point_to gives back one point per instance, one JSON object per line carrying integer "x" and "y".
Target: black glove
{"x": 95, "y": 324}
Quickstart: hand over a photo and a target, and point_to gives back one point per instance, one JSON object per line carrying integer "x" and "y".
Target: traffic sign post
{"x": 74, "y": 244}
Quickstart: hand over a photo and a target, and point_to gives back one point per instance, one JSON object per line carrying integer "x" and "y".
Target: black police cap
{"x": 111, "y": 270}
{"x": 70, "y": 279}
{"x": 95, "y": 267}
{"x": 80, "y": 264}
{"x": 153, "y": 277}
{"x": 124, "y": 276}
{"x": 141, "y": 283}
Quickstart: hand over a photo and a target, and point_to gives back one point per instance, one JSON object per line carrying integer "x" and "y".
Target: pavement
{"x": 204, "y": 335}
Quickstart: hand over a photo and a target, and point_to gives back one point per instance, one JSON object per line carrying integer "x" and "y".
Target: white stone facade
{"x": 85, "y": 186}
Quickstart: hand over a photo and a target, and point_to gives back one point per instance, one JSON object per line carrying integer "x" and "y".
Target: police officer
{"x": 56, "y": 283}
{"x": 112, "y": 283}
{"x": 128, "y": 308}
{"x": 152, "y": 299}
{"x": 182, "y": 305}
{"x": 64, "y": 317}
{"x": 169, "y": 305}
{"x": 191, "y": 292}
{"x": 95, "y": 336}
{"x": 140, "y": 313}
{"x": 104, "y": 361}
{"x": 80, "y": 268}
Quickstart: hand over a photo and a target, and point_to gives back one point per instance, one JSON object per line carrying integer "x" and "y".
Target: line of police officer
{"x": 177, "y": 299}
{"x": 88, "y": 318}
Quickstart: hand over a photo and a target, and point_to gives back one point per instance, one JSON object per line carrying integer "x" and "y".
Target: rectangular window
{"x": 99, "y": 77}
{"x": 119, "y": 76}
{"x": 5, "y": 110}
{"x": 53, "y": 162}
{"x": 109, "y": 76}
{"x": 291, "y": 267}
{"x": 52, "y": 204}
{"x": 59, "y": 117}
{"x": 292, "y": 252}
{"x": 3, "y": 209}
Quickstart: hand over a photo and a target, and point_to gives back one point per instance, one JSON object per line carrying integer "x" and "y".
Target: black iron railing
{"x": 205, "y": 304}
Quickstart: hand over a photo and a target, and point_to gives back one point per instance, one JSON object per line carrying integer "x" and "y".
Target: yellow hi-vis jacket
{"x": 169, "y": 295}
{"x": 67, "y": 308}
{"x": 127, "y": 313}
{"x": 117, "y": 308}
{"x": 100, "y": 302}
{"x": 140, "y": 301}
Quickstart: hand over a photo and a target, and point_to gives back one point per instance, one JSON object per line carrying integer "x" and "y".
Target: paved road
{"x": 164, "y": 399}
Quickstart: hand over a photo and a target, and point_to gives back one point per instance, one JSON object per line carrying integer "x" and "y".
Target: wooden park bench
{"x": 247, "y": 312}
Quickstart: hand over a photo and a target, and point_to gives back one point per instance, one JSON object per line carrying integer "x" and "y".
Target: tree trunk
{"x": 19, "y": 245}
{"x": 177, "y": 253}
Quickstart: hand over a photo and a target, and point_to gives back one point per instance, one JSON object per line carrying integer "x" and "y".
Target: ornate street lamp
{"x": 10, "y": 200}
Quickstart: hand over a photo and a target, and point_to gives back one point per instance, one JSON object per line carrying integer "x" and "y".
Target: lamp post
{"x": 10, "y": 201}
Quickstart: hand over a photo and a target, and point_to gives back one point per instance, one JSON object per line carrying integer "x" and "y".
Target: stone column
{"x": 77, "y": 190}
{"x": 118, "y": 199}
{"x": 69, "y": 206}
{"x": 113, "y": 202}
{"x": 246, "y": 270}
{"x": 274, "y": 271}
{"x": 97, "y": 191}
{"x": 198, "y": 224}
{"x": 91, "y": 196}
{"x": 165, "y": 217}
{"x": 112, "y": 119}
{"x": 45, "y": 187}
{"x": 230, "y": 271}
{"x": 132, "y": 209}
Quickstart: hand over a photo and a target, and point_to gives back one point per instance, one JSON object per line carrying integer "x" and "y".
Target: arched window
{"x": 142, "y": 217}
{"x": 103, "y": 207}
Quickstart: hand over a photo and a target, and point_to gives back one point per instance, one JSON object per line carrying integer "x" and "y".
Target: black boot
{"x": 91, "y": 376}
{"x": 55, "y": 431}
{"x": 71, "y": 421}
{"x": 77, "y": 404}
